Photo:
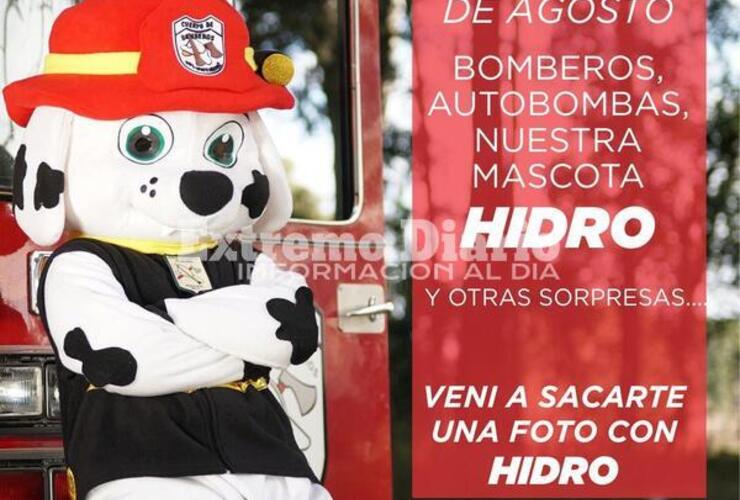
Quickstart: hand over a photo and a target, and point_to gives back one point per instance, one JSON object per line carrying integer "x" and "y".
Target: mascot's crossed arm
{"x": 143, "y": 137}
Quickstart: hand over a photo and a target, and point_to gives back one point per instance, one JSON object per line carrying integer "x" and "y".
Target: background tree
{"x": 723, "y": 198}
{"x": 723, "y": 243}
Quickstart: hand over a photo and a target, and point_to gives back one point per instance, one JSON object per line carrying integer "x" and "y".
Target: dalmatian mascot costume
{"x": 142, "y": 141}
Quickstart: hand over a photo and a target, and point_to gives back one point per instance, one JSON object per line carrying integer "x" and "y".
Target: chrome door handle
{"x": 371, "y": 310}
{"x": 360, "y": 308}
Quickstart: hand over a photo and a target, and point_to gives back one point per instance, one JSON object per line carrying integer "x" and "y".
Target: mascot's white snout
{"x": 126, "y": 179}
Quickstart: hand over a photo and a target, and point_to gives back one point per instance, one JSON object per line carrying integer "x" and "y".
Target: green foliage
{"x": 397, "y": 146}
{"x": 6, "y": 169}
{"x": 723, "y": 22}
{"x": 722, "y": 474}
{"x": 723, "y": 386}
{"x": 305, "y": 203}
{"x": 723, "y": 198}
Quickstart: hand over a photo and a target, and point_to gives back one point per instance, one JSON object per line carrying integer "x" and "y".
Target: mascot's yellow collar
{"x": 156, "y": 247}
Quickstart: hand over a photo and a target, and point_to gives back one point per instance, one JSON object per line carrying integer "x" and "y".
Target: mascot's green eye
{"x": 223, "y": 145}
{"x": 145, "y": 139}
{"x": 144, "y": 143}
{"x": 221, "y": 150}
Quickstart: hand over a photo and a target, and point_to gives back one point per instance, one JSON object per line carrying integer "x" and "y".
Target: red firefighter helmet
{"x": 112, "y": 59}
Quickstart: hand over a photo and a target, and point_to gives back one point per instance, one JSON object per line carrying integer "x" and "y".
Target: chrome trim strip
{"x": 31, "y": 453}
{"x": 36, "y": 261}
{"x": 28, "y": 350}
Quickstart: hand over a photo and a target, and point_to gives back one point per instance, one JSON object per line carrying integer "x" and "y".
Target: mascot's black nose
{"x": 204, "y": 192}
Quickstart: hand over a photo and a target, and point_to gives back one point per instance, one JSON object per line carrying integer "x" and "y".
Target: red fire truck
{"x": 339, "y": 400}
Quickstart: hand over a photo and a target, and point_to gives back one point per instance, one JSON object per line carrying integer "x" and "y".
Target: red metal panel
{"x": 18, "y": 327}
{"x": 356, "y": 366}
{"x": 21, "y": 484}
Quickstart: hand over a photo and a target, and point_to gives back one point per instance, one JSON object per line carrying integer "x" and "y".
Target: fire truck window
{"x": 314, "y": 137}
{"x": 24, "y": 30}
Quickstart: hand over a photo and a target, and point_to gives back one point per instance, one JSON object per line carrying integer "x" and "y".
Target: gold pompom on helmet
{"x": 273, "y": 66}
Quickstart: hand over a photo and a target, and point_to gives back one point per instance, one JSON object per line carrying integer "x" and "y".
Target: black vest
{"x": 210, "y": 431}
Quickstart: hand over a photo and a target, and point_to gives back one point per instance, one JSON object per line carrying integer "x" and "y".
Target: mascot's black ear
{"x": 38, "y": 191}
{"x": 274, "y": 67}
{"x": 279, "y": 205}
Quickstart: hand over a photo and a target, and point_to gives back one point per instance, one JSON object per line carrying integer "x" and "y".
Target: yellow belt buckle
{"x": 242, "y": 386}
{"x": 259, "y": 383}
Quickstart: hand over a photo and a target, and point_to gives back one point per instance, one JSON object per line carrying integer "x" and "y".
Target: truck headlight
{"x": 21, "y": 391}
{"x": 53, "y": 407}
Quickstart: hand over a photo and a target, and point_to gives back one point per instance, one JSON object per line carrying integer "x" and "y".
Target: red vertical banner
{"x": 559, "y": 241}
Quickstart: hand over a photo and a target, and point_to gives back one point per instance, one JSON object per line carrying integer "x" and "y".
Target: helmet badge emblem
{"x": 199, "y": 44}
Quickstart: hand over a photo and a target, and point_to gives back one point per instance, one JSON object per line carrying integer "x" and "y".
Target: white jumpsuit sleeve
{"x": 118, "y": 345}
{"x": 270, "y": 322}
